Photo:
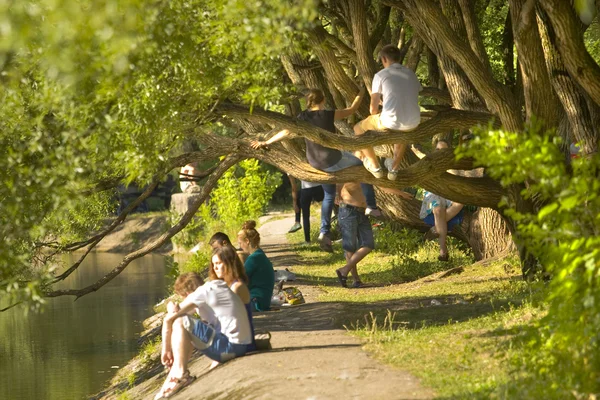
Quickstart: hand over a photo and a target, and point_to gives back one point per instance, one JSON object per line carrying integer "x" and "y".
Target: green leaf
{"x": 547, "y": 210}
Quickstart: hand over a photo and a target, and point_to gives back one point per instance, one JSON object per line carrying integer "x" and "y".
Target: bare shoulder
{"x": 241, "y": 290}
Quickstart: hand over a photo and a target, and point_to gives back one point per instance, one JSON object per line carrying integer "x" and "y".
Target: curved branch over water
{"x": 185, "y": 219}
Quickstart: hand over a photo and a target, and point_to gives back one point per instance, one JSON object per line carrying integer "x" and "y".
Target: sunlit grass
{"x": 456, "y": 333}
{"x": 459, "y": 359}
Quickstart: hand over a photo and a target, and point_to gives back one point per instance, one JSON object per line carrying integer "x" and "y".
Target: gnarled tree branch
{"x": 195, "y": 204}
{"x": 442, "y": 122}
{"x": 579, "y": 62}
{"x": 484, "y": 192}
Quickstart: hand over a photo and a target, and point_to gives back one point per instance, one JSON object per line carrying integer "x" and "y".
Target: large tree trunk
{"x": 575, "y": 104}
{"x": 487, "y": 233}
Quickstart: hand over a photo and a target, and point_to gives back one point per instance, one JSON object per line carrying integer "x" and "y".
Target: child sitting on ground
{"x": 217, "y": 306}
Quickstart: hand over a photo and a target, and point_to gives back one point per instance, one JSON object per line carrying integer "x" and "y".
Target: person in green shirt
{"x": 258, "y": 267}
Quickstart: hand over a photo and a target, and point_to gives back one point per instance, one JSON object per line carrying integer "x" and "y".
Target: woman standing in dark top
{"x": 327, "y": 159}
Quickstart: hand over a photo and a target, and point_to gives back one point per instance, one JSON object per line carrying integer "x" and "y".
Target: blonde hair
{"x": 249, "y": 232}
{"x": 314, "y": 98}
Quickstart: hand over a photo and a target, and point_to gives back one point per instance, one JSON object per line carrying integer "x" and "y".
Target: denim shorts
{"x": 348, "y": 160}
{"x": 211, "y": 343}
{"x": 456, "y": 220}
{"x": 356, "y": 228}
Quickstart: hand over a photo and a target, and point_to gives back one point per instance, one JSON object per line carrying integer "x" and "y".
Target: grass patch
{"x": 459, "y": 360}
{"x": 457, "y": 333}
{"x": 395, "y": 263}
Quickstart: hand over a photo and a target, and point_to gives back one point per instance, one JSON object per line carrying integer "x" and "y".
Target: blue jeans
{"x": 348, "y": 160}
{"x": 356, "y": 229}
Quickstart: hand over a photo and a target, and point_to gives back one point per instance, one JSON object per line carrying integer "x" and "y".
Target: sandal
{"x": 357, "y": 284}
{"x": 341, "y": 278}
{"x": 174, "y": 385}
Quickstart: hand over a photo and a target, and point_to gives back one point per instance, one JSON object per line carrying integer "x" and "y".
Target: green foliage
{"x": 592, "y": 40}
{"x": 414, "y": 259}
{"x": 242, "y": 193}
{"x": 400, "y": 242}
{"x": 131, "y": 377}
{"x": 93, "y": 90}
{"x": 492, "y": 22}
{"x": 562, "y": 353}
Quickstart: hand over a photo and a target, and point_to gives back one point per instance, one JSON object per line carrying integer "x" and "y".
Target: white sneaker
{"x": 376, "y": 172}
{"x": 392, "y": 174}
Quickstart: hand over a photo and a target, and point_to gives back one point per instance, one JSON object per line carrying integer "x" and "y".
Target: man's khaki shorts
{"x": 371, "y": 123}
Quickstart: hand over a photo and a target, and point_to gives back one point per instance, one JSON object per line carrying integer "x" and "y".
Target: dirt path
{"x": 311, "y": 357}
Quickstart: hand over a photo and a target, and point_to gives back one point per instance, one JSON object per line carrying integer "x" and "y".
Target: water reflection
{"x": 67, "y": 352}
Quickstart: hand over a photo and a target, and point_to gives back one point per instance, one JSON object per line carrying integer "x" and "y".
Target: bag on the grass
{"x": 284, "y": 275}
{"x": 293, "y": 295}
{"x": 277, "y": 299}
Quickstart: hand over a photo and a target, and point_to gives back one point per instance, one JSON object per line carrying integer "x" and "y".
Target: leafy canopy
{"x": 96, "y": 90}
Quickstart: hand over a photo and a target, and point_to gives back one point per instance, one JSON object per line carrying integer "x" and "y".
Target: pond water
{"x": 72, "y": 349}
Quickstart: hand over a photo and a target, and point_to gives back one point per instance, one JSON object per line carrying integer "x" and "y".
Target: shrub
{"x": 242, "y": 193}
{"x": 561, "y": 354}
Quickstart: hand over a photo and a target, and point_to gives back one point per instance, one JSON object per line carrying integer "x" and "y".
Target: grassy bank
{"x": 459, "y": 332}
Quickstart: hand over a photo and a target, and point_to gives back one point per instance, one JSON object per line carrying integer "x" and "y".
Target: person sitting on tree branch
{"x": 327, "y": 159}
{"x": 397, "y": 87}
{"x": 441, "y": 214}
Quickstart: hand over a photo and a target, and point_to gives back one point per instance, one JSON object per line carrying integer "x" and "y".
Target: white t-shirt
{"x": 223, "y": 309}
{"x": 430, "y": 201}
{"x": 399, "y": 87}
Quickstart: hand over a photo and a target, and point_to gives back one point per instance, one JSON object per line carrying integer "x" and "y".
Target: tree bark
{"x": 574, "y": 103}
{"x": 569, "y": 33}
{"x": 508, "y": 54}
{"x": 427, "y": 18}
{"x": 487, "y": 233}
{"x": 364, "y": 51}
{"x": 380, "y": 26}
{"x": 539, "y": 102}
{"x": 413, "y": 57}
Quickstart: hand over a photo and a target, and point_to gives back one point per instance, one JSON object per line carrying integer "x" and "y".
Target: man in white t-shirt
{"x": 222, "y": 333}
{"x": 398, "y": 87}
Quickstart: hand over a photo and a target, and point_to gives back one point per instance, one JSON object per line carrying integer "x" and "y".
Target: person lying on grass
{"x": 221, "y": 333}
{"x": 226, "y": 265}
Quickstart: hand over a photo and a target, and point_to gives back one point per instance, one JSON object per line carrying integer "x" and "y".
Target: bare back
{"x": 352, "y": 194}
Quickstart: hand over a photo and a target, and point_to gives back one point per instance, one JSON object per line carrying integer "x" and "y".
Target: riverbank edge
{"x": 134, "y": 231}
